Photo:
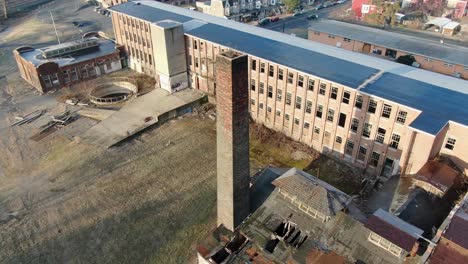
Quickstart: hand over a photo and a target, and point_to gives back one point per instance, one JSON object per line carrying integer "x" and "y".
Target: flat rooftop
{"x": 410, "y": 44}
{"x": 35, "y": 56}
{"x": 334, "y": 64}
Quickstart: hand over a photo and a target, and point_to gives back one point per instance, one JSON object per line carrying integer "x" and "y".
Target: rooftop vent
{"x": 69, "y": 47}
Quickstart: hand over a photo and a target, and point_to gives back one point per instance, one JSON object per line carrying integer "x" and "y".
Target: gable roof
{"x": 393, "y": 229}
{"x": 457, "y": 231}
{"x": 313, "y": 192}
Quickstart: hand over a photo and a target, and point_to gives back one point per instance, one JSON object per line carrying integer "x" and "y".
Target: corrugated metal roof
{"x": 410, "y": 44}
{"x": 438, "y": 105}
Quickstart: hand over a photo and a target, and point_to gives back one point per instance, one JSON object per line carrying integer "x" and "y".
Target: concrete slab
{"x": 140, "y": 113}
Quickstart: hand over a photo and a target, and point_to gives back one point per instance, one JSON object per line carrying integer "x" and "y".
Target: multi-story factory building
{"x": 384, "y": 117}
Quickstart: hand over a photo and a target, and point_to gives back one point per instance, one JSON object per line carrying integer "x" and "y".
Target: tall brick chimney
{"x": 232, "y": 138}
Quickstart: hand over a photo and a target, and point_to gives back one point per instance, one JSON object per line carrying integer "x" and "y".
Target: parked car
{"x": 78, "y": 24}
{"x": 274, "y": 19}
{"x": 313, "y": 16}
{"x": 319, "y": 6}
{"x": 298, "y": 13}
{"x": 264, "y": 21}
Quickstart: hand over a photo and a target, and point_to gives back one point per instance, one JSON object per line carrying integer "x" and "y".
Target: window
{"x": 298, "y": 102}
{"x": 300, "y": 81}
{"x": 354, "y": 125}
{"x": 349, "y": 148}
{"x": 269, "y": 109}
{"x": 330, "y": 115}
{"x": 262, "y": 67}
{"x": 296, "y": 121}
{"x": 280, "y": 74}
{"x": 372, "y": 106}
{"x": 380, "y": 135}
{"x": 385, "y": 244}
{"x": 401, "y": 118}
{"x": 322, "y": 89}
{"x": 288, "y": 98}
{"x": 306, "y": 125}
{"x": 334, "y": 93}
{"x": 308, "y": 107}
{"x": 448, "y": 65}
{"x": 331, "y": 36}
{"x": 362, "y": 153}
{"x": 367, "y": 130}
{"x": 450, "y": 144}
{"x": 319, "y": 111}
{"x": 317, "y": 130}
{"x": 254, "y": 65}
{"x": 311, "y": 85}
{"x": 290, "y": 77}
{"x": 195, "y": 44}
{"x": 260, "y": 105}
{"x": 347, "y": 40}
{"x": 270, "y": 91}
{"x": 428, "y": 59}
{"x": 346, "y": 96}
{"x": 196, "y": 62}
{"x": 395, "y": 141}
{"x": 252, "y": 101}
{"x": 326, "y": 138}
{"x": 358, "y": 102}
{"x": 252, "y": 85}
{"x": 261, "y": 88}
{"x": 375, "y": 157}
{"x": 316, "y": 32}
{"x": 271, "y": 71}
{"x": 342, "y": 120}
{"x": 338, "y": 140}
{"x": 387, "y": 111}
{"x": 278, "y": 113}
{"x": 286, "y": 116}
{"x": 279, "y": 95}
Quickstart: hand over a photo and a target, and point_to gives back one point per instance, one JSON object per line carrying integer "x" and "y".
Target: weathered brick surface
{"x": 232, "y": 139}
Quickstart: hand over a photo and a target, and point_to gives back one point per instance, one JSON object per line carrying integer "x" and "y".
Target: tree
{"x": 429, "y": 7}
{"x": 291, "y": 4}
{"x": 385, "y": 14}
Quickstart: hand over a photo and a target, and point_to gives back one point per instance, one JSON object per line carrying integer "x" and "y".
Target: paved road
{"x": 299, "y": 24}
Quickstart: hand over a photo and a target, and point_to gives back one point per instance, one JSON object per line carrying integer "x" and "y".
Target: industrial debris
{"x": 28, "y": 118}
{"x": 58, "y": 121}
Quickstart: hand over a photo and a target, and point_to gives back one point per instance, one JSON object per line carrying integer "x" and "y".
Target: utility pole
{"x": 5, "y": 12}
{"x": 55, "y": 28}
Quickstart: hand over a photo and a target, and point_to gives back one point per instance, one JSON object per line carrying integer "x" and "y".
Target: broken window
{"x": 395, "y": 141}
{"x": 346, "y": 96}
{"x": 298, "y": 102}
{"x": 387, "y": 111}
{"x": 334, "y": 93}
{"x": 367, "y": 130}
{"x": 380, "y": 135}
{"x": 319, "y": 111}
{"x": 358, "y": 102}
{"x": 311, "y": 85}
{"x": 279, "y": 95}
{"x": 372, "y": 106}
{"x": 450, "y": 144}
{"x": 401, "y": 118}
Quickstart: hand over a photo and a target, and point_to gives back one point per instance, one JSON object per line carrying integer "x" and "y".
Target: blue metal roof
{"x": 307, "y": 61}
{"x": 438, "y": 105}
{"x": 147, "y": 13}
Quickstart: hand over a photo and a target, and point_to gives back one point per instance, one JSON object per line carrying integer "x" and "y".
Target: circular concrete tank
{"x": 112, "y": 92}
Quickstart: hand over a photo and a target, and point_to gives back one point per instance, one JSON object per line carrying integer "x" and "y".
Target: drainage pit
{"x": 112, "y": 92}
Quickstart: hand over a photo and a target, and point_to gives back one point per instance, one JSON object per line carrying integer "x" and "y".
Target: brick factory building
{"x": 68, "y": 63}
{"x": 384, "y": 117}
{"x": 429, "y": 55}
